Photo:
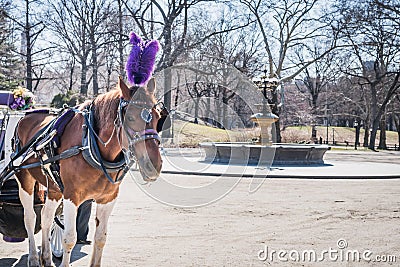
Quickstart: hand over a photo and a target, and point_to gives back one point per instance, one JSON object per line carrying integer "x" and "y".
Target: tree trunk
{"x": 84, "y": 86}
{"x": 225, "y": 109}
{"x": 357, "y": 141}
{"x": 93, "y": 46}
{"x": 28, "y": 48}
{"x": 276, "y": 133}
{"x": 120, "y": 41}
{"x": 275, "y": 110}
{"x": 208, "y": 107}
{"x": 71, "y": 75}
{"x": 375, "y": 116}
{"x": 382, "y": 134}
{"x": 217, "y": 104}
{"x": 94, "y": 70}
{"x": 83, "y": 59}
{"x": 167, "y": 97}
{"x": 196, "y": 110}
{"x": 366, "y": 132}
{"x": 366, "y": 136}
{"x": 396, "y": 120}
{"x": 375, "y": 126}
{"x": 167, "y": 71}
{"x": 314, "y": 119}
{"x": 176, "y": 100}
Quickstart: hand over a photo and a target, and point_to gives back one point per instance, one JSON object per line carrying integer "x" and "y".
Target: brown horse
{"x": 82, "y": 181}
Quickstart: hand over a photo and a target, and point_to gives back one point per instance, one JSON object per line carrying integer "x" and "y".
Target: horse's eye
{"x": 131, "y": 119}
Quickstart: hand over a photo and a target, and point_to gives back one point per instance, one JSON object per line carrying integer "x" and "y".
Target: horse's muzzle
{"x": 148, "y": 171}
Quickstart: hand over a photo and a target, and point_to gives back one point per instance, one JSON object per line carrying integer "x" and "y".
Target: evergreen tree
{"x": 8, "y": 59}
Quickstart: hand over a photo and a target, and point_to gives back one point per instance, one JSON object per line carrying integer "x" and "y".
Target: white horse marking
{"x": 29, "y": 220}
{"x": 103, "y": 212}
{"x": 69, "y": 236}
{"x": 48, "y": 212}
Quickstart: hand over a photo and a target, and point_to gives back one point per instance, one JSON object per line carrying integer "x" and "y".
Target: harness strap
{"x": 73, "y": 151}
{"x": 89, "y": 142}
{"x": 93, "y": 145}
{"x": 9, "y": 170}
{"x": 41, "y": 141}
{"x": 41, "y": 134}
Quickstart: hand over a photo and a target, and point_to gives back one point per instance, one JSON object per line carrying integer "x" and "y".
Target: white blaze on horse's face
{"x": 140, "y": 123}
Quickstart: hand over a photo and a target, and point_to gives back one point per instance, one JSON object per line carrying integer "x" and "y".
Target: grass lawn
{"x": 188, "y": 134}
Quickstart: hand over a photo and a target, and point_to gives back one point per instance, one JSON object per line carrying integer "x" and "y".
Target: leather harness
{"x": 45, "y": 142}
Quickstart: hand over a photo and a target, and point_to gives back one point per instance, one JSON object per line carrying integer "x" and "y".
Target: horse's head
{"x": 140, "y": 114}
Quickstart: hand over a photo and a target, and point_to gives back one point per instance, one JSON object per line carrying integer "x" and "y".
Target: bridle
{"x": 145, "y": 115}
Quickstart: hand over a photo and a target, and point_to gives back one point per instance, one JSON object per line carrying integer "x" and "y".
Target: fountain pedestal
{"x": 264, "y": 121}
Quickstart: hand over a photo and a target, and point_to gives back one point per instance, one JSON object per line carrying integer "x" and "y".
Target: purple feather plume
{"x": 140, "y": 63}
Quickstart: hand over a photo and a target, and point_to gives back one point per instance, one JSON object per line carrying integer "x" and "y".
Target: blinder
{"x": 164, "y": 122}
{"x": 146, "y": 116}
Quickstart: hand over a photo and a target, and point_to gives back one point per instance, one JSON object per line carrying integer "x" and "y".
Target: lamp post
{"x": 264, "y": 86}
{"x": 357, "y": 139}
{"x": 326, "y": 114}
{"x": 172, "y": 125}
{"x": 265, "y": 118}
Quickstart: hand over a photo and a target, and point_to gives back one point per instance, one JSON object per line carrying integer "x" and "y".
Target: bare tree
{"x": 68, "y": 20}
{"x": 396, "y": 118}
{"x": 391, "y": 9}
{"x": 316, "y": 78}
{"x": 99, "y": 36}
{"x": 36, "y": 57}
{"x": 236, "y": 48}
{"x": 171, "y": 24}
{"x": 286, "y": 26}
{"x": 374, "y": 56}
{"x": 82, "y": 29}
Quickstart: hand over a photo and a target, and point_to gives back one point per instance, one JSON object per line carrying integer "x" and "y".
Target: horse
{"x": 81, "y": 181}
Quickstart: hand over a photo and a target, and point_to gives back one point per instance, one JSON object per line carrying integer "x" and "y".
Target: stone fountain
{"x": 264, "y": 152}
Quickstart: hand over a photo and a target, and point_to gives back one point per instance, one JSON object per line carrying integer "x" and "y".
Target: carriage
{"x": 11, "y": 211}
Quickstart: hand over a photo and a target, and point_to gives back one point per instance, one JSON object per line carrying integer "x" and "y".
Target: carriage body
{"x": 11, "y": 211}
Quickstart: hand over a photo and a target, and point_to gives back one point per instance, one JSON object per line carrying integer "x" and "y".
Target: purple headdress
{"x": 140, "y": 63}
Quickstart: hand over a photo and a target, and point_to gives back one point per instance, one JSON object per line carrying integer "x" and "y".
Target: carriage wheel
{"x": 56, "y": 234}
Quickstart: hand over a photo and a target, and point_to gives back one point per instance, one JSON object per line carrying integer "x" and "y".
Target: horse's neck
{"x": 109, "y": 146}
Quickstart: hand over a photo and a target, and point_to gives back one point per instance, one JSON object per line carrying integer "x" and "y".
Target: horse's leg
{"x": 26, "y": 189}
{"x": 47, "y": 218}
{"x": 103, "y": 212}
{"x": 69, "y": 236}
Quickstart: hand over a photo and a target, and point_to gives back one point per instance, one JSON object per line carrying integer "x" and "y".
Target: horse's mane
{"x": 106, "y": 106}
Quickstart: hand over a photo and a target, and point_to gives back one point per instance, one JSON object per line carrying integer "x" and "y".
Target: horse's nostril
{"x": 149, "y": 166}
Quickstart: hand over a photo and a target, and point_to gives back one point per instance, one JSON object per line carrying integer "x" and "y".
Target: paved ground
{"x": 338, "y": 164}
{"x": 292, "y": 215}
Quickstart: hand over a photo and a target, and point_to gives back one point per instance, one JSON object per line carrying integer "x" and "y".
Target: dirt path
{"x": 285, "y": 214}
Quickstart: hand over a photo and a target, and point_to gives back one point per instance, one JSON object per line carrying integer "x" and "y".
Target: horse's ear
{"x": 126, "y": 93}
{"x": 151, "y": 85}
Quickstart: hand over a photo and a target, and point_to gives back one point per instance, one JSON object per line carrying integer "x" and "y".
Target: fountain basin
{"x": 275, "y": 154}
